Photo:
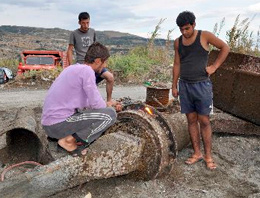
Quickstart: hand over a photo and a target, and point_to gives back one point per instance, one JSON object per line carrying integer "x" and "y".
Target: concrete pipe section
{"x": 20, "y": 137}
{"x": 142, "y": 144}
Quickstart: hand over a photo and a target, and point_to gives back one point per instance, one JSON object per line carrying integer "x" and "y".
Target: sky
{"x": 138, "y": 17}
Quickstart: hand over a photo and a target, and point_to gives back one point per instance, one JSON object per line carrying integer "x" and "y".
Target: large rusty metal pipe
{"x": 142, "y": 144}
{"x": 112, "y": 155}
{"x": 164, "y": 135}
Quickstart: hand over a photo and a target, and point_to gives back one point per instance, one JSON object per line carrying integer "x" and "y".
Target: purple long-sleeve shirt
{"x": 75, "y": 87}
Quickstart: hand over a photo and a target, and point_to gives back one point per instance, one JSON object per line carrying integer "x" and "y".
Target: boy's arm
{"x": 69, "y": 54}
{"x": 176, "y": 69}
{"x": 223, "y": 53}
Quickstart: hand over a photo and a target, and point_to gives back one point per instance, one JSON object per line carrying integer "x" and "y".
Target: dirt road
{"x": 237, "y": 157}
{"x": 20, "y": 98}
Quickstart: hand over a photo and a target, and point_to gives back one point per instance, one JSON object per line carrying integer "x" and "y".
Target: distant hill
{"x": 14, "y": 39}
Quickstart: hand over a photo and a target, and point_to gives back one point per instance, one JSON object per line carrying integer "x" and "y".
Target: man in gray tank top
{"x": 81, "y": 39}
{"x": 191, "y": 73}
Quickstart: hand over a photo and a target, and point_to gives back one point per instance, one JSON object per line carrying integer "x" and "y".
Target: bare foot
{"x": 66, "y": 146}
{"x": 78, "y": 151}
{"x": 69, "y": 144}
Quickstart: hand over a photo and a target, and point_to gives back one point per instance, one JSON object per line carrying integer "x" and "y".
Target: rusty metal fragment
{"x": 236, "y": 86}
{"x": 225, "y": 123}
{"x": 157, "y": 96}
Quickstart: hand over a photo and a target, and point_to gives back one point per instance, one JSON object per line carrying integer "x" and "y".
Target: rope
{"x": 15, "y": 165}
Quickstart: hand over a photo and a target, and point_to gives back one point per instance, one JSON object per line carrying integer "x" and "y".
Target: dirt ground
{"x": 237, "y": 157}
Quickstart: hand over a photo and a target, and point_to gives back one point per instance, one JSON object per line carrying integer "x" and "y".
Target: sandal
{"x": 193, "y": 160}
{"x": 211, "y": 165}
{"x": 75, "y": 153}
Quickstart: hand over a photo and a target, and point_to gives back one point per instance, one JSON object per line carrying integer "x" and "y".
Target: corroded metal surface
{"x": 155, "y": 157}
{"x": 225, "y": 123}
{"x": 163, "y": 136}
{"x": 236, "y": 86}
{"x": 178, "y": 124}
{"x": 114, "y": 154}
{"x": 157, "y": 97}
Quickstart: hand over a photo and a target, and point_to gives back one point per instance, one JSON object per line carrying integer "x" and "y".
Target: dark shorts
{"x": 196, "y": 97}
{"x": 88, "y": 125}
{"x": 98, "y": 75}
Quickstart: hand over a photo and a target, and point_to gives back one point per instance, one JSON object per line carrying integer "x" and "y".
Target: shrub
{"x": 11, "y": 64}
{"x": 132, "y": 65}
{"x": 145, "y": 62}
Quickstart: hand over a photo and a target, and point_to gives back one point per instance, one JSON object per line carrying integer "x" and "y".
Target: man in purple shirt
{"x": 74, "y": 110}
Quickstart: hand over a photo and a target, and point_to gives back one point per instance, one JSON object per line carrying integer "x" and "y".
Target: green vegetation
{"x": 11, "y": 64}
{"x": 143, "y": 63}
{"x": 132, "y": 65}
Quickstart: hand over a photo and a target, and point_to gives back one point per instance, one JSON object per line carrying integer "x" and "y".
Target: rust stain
{"x": 236, "y": 86}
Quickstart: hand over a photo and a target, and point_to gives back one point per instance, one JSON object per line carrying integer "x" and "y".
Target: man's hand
{"x": 211, "y": 69}
{"x": 117, "y": 105}
{"x": 175, "y": 92}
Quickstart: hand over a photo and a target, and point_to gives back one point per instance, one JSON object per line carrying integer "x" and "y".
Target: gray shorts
{"x": 88, "y": 125}
{"x": 196, "y": 97}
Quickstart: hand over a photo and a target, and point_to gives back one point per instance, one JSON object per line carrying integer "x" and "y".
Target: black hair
{"x": 184, "y": 18}
{"x": 83, "y": 15}
{"x": 96, "y": 50}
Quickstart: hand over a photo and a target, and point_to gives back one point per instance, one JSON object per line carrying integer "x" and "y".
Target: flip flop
{"x": 211, "y": 165}
{"x": 75, "y": 153}
{"x": 193, "y": 160}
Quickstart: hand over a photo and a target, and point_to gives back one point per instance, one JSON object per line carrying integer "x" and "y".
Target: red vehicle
{"x": 41, "y": 59}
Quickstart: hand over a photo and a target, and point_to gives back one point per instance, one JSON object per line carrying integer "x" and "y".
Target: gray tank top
{"x": 193, "y": 60}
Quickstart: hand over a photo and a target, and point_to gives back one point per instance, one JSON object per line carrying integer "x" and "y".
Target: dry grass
{"x": 239, "y": 38}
